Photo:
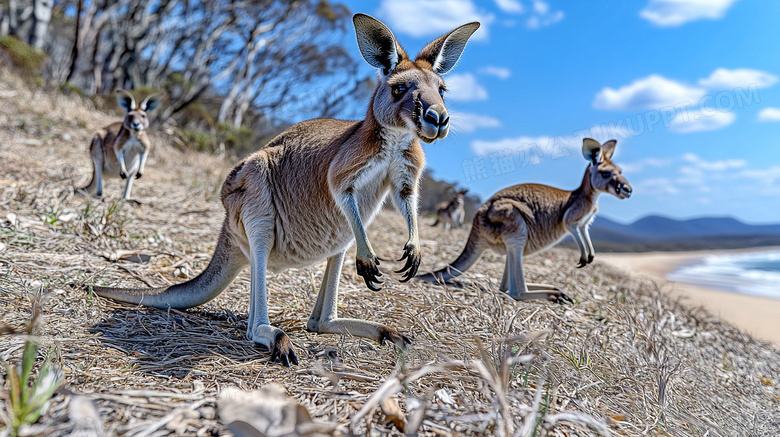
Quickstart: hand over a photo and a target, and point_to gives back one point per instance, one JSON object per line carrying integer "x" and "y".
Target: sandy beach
{"x": 758, "y": 315}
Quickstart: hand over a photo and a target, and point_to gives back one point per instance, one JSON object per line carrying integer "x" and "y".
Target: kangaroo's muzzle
{"x": 435, "y": 123}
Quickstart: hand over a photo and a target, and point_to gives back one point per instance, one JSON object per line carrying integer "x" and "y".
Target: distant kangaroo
{"x": 451, "y": 214}
{"x": 527, "y": 218}
{"x": 120, "y": 149}
{"x": 313, "y": 189}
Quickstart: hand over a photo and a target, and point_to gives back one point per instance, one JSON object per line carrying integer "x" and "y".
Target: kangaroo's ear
{"x": 150, "y": 102}
{"x": 444, "y": 52}
{"x": 125, "y": 100}
{"x": 377, "y": 43}
{"x": 464, "y": 191}
{"x": 609, "y": 148}
{"x": 591, "y": 150}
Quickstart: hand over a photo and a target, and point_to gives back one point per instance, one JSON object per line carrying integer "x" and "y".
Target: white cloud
{"x": 653, "y": 91}
{"x": 542, "y": 15}
{"x": 482, "y": 147}
{"x": 769, "y": 114}
{"x": 703, "y": 164}
{"x": 510, "y": 6}
{"x": 670, "y": 13}
{"x": 426, "y": 18}
{"x": 464, "y": 87}
{"x": 637, "y": 166}
{"x": 466, "y": 122}
{"x": 656, "y": 186}
{"x": 698, "y": 121}
{"x": 723, "y": 79}
{"x": 499, "y": 72}
{"x": 767, "y": 176}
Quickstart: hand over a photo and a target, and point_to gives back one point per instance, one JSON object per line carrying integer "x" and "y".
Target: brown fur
{"x": 528, "y": 218}
{"x": 120, "y": 149}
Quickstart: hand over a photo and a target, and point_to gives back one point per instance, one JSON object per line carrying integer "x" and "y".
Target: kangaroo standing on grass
{"x": 312, "y": 190}
{"x": 451, "y": 214}
{"x": 120, "y": 149}
{"x": 527, "y": 218}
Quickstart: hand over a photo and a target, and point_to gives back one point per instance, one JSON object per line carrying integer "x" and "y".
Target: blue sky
{"x": 690, "y": 88}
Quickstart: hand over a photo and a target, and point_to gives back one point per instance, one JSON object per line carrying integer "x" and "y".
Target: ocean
{"x": 756, "y": 273}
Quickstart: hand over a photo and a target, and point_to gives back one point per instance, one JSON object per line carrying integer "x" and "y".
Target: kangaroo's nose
{"x": 626, "y": 189}
{"x": 437, "y": 116}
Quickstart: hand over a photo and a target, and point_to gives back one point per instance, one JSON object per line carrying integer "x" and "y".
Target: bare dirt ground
{"x": 624, "y": 359}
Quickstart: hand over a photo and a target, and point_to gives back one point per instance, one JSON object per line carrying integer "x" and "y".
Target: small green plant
{"x": 28, "y": 394}
{"x": 579, "y": 360}
{"x": 544, "y": 408}
{"x": 52, "y": 216}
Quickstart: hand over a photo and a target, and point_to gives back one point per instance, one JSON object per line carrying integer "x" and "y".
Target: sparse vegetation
{"x": 625, "y": 359}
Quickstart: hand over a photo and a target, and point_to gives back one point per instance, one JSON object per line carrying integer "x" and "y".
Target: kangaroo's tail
{"x": 225, "y": 265}
{"x": 470, "y": 255}
{"x": 94, "y": 148}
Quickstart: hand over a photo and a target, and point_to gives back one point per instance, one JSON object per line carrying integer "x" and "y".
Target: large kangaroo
{"x": 310, "y": 193}
{"x": 120, "y": 149}
{"x": 527, "y": 218}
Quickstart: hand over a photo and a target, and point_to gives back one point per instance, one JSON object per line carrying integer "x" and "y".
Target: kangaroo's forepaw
{"x": 123, "y": 175}
{"x": 559, "y": 296}
{"x": 583, "y": 263}
{"x": 412, "y": 257}
{"x": 282, "y": 350}
{"x": 590, "y": 259}
{"x": 367, "y": 267}
{"x": 138, "y": 175}
{"x": 389, "y": 334}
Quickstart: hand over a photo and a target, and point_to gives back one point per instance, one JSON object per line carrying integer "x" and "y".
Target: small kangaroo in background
{"x": 451, "y": 214}
{"x": 120, "y": 149}
{"x": 314, "y": 188}
{"x": 527, "y": 218}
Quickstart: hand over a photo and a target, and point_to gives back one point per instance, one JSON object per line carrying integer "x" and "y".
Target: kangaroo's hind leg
{"x": 518, "y": 288}
{"x": 259, "y": 328}
{"x": 324, "y": 318}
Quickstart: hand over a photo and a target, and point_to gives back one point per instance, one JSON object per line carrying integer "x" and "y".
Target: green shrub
{"x": 68, "y": 88}
{"x": 23, "y": 56}
{"x": 198, "y": 140}
{"x": 239, "y": 141}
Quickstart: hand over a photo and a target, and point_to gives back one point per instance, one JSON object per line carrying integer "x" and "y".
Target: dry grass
{"x": 624, "y": 359}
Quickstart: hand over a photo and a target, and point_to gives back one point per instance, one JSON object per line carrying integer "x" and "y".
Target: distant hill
{"x": 664, "y": 233}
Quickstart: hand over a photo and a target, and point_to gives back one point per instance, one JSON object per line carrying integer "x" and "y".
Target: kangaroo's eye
{"x": 606, "y": 174}
{"x": 398, "y": 90}
{"x": 441, "y": 91}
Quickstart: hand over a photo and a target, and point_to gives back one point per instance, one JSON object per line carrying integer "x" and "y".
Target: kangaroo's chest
{"x": 388, "y": 168}
{"x": 130, "y": 147}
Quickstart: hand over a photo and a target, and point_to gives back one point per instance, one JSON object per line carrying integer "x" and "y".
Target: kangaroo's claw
{"x": 412, "y": 256}
{"x": 559, "y": 296}
{"x": 369, "y": 270}
{"x": 387, "y": 333}
{"x": 283, "y": 351}
{"x": 583, "y": 263}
